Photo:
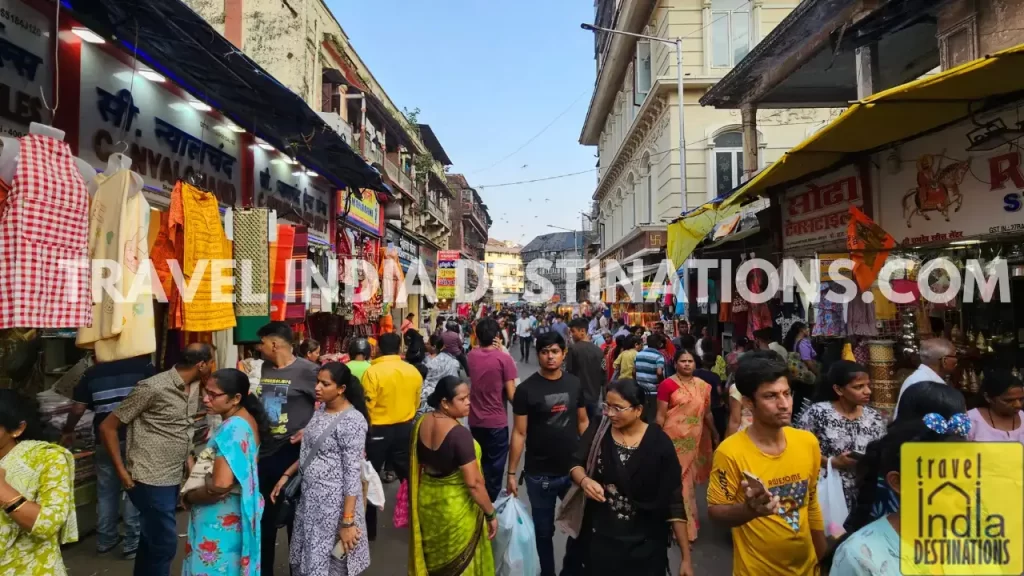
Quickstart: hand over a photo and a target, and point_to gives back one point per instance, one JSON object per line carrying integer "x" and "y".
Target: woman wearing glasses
{"x": 634, "y": 496}
{"x": 1000, "y": 419}
{"x": 224, "y": 525}
{"x": 684, "y": 412}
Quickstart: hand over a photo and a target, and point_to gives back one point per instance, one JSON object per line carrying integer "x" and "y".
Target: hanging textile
{"x": 829, "y": 314}
{"x": 119, "y": 232}
{"x": 204, "y": 239}
{"x": 295, "y": 310}
{"x": 280, "y": 253}
{"x": 860, "y": 318}
{"x": 44, "y": 222}
{"x": 176, "y": 239}
{"x": 869, "y": 247}
{"x": 251, "y": 245}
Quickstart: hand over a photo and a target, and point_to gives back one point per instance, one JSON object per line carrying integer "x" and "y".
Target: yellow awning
{"x": 686, "y": 233}
{"x": 894, "y": 115}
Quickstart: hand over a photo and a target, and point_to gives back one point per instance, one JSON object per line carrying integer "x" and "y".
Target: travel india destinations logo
{"x": 962, "y": 508}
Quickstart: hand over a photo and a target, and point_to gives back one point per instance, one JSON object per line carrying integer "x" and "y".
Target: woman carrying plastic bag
{"x": 515, "y": 548}
{"x": 832, "y": 500}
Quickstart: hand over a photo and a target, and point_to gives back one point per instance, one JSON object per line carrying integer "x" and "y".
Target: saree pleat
{"x": 448, "y": 529}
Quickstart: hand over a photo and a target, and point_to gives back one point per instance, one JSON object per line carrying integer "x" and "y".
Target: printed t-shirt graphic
{"x": 288, "y": 395}
{"x": 780, "y": 544}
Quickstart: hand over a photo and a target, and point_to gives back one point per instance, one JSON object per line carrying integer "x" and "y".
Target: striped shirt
{"x": 648, "y": 361}
{"x": 104, "y": 386}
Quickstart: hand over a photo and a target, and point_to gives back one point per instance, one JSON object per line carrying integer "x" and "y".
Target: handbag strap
{"x": 314, "y": 449}
{"x": 595, "y": 445}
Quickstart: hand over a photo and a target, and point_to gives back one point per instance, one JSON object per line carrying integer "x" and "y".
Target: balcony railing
{"x": 434, "y": 210}
{"x": 372, "y": 153}
{"x": 396, "y": 174}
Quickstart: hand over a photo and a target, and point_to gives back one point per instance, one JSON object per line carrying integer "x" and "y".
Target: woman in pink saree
{"x": 684, "y": 413}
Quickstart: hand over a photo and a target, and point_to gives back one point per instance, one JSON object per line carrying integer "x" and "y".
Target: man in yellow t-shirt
{"x": 777, "y": 529}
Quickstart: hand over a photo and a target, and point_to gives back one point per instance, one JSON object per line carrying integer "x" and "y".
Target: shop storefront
{"x": 408, "y": 254}
{"x": 209, "y": 166}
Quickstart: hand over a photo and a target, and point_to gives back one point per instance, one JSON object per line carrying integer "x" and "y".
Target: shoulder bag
{"x": 292, "y": 490}
{"x": 570, "y": 513}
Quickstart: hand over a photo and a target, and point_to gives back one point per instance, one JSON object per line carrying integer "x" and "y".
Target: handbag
{"x": 401, "y": 515}
{"x": 570, "y": 513}
{"x": 291, "y": 491}
{"x": 201, "y": 471}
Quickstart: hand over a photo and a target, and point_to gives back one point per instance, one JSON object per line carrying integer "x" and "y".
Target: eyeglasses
{"x": 213, "y": 396}
{"x": 954, "y": 358}
{"x": 609, "y": 409}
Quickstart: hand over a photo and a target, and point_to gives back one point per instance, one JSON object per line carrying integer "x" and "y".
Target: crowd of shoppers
{"x": 630, "y": 423}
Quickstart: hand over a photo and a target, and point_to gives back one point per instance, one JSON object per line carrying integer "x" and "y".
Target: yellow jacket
{"x": 392, "y": 388}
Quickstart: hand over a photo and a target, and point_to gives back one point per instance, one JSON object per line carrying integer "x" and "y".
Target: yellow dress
{"x": 209, "y": 308}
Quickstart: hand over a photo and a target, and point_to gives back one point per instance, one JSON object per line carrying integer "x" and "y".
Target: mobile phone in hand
{"x": 754, "y": 481}
{"x": 856, "y": 455}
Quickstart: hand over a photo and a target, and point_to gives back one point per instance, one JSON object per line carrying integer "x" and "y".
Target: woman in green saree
{"x": 452, "y": 518}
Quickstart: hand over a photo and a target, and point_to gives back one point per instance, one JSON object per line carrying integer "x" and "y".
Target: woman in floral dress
{"x": 224, "y": 524}
{"x": 843, "y": 422}
{"x": 684, "y": 413}
{"x": 331, "y": 508}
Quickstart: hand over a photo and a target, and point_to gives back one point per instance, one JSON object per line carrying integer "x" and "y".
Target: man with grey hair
{"x": 938, "y": 360}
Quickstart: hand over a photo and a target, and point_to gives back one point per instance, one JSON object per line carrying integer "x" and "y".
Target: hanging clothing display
{"x": 251, "y": 244}
{"x": 118, "y": 231}
{"x": 204, "y": 239}
{"x": 829, "y": 314}
{"x": 295, "y": 310}
{"x": 43, "y": 222}
{"x": 280, "y": 253}
{"x": 860, "y": 318}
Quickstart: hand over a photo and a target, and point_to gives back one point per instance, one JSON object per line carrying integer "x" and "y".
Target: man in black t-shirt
{"x": 584, "y": 362}
{"x": 550, "y": 416}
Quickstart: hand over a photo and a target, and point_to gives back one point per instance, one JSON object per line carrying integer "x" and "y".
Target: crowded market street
{"x": 712, "y": 556}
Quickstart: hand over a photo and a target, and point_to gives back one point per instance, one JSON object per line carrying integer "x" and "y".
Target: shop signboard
{"x": 363, "y": 210}
{"x": 944, "y": 192}
{"x": 447, "y": 260}
{"x": 287, "y": 188}
{"x": 408, "y": 249}
{"x": 428, "y": 257}
{"x": 153, "y": 123}
{"x": 815, "y": 213}
{"x": 26, "y": 45}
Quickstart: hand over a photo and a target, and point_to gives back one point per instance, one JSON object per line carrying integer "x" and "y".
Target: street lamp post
{"x": 679, "y": 70}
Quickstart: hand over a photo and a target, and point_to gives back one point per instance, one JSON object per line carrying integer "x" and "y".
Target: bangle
{"x": 511, "y": 474}
{"x": 15, "y": 506}
{"x": 348, "y": 524}
{"x": 11, "y": 502}
{"x": 491, "y": 516}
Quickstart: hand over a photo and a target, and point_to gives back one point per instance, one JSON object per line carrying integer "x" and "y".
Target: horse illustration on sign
{"x": 937, "y": 188}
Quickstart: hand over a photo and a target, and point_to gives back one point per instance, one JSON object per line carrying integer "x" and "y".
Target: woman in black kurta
{"x": 635, "y": 497}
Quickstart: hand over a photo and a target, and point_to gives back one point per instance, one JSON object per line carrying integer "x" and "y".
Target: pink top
{"x": 982, "y": 432}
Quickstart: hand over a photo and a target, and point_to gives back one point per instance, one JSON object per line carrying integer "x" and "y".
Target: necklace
{"x": 443, "y": 414}
{"x": 992, "y": 419}
{"x": 625, "y": 442}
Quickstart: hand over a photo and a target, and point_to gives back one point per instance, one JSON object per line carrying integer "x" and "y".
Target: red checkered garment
{"x": 44, "y": 221}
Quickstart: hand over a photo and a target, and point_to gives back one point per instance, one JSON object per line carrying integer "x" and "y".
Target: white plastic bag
{"x": 515, "y": 546}
{"x": 372, "y": 486}
{"x": 832, "y": 500}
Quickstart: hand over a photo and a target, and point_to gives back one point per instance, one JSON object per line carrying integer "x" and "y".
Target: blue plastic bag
{"x": 515, "y": 546}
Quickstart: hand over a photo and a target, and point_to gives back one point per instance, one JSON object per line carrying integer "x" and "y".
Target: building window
{"x": 642, "y": 72}
{"x": 730, "y": 32}
{"x": 728, "y": 161}
{"x": 645, "y": 174}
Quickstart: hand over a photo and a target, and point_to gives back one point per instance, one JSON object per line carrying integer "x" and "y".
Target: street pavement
{"x": 712, "y": 554}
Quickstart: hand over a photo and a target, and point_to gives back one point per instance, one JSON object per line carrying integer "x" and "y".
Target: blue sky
{"x": 488, "y": 76}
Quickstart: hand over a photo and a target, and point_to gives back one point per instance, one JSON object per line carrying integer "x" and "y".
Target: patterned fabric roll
{"x": 296, "y": 307}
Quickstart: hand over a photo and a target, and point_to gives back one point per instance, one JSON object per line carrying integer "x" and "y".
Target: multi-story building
{"x": 554, "y": 247}
{"x": 304, "y": 47}
{"x": 504, "y": 270}
{"x": 634, "y": 114}
{"x": 470, "y": 220}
